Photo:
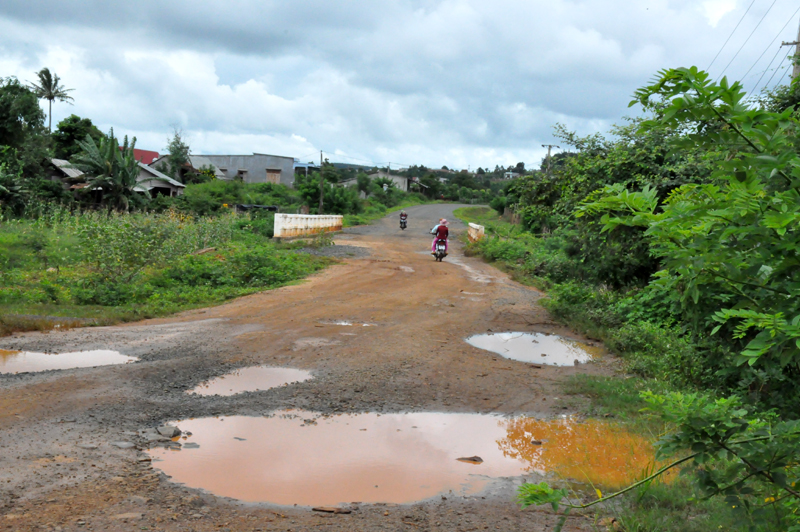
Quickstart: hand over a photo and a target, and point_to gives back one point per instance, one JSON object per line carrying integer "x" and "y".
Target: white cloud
{"x": 714, "y": 10}
{"x": 455, "y": 82}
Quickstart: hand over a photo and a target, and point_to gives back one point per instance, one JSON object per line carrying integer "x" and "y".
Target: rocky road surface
{"x": 59, "y": 469}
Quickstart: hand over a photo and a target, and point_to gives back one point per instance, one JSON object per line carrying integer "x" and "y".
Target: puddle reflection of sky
{"x": 251, "y": 379}
{"x": 380, "y": 458}
{"x": 536, "y": 348}
{"x": 25, "y": 361}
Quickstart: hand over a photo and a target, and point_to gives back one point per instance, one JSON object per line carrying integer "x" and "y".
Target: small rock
{"x": 191, "y": 445}
{"x": 136, "y": 499}
{"x": 471, "y": 459}
{"x": 152, "y": 436}
{"x": 197, "y": 516}
{"x": 123, "y": 444}
{"x": 130, "y": 515}
{"x": 536, "y": 442}
{"x": 87, "y": 446}
{"x": 144, "y": 459}
{"x": 331, "y": 510}
{"x": 168, "y": 431}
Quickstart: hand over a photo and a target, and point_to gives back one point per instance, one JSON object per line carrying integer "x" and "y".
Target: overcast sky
{"x": 460, "y": 83}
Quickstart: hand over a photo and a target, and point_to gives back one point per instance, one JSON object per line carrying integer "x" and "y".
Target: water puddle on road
{"x": 251, "y": 379}
{"x": 345, "y": 323}
{"x": 537, "y": 348}
{"x": 26, "y": 361}
{"x": 299, "y": 458}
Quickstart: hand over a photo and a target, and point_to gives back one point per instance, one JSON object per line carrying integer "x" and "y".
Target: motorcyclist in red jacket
{"x": 440, "y": 232}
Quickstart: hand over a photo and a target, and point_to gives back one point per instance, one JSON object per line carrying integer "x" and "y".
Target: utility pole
{"x": 795, "y": 58}
{"x": 549, "y": 147}
{"x": 321, "y": 183}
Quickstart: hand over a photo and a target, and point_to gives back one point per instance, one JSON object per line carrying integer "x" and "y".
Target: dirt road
{"x": 60, "y": 471}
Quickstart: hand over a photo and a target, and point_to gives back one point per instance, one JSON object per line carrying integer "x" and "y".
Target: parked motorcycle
{"x": 439, "y": 251}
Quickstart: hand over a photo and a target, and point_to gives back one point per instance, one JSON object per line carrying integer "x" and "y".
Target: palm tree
{"x": 49, "y": 89}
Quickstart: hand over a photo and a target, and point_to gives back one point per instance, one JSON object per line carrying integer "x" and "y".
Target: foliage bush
{"x": 139, "y": 265}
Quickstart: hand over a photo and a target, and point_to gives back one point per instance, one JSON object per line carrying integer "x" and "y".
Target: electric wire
{"x": 731, "y": 35}
{"x": 748, "y": 38}
{"x": 776, "y": 69}
{"x": 769, "y": 45}
{"x": 784, "y": 75}
{"x": 767, "y": 69}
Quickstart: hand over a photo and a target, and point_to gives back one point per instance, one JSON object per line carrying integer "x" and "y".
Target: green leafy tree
{"x": 20, "y": 114}
{"x": 49, "y": 88}
{"x": 69, "y": 132}
{"x": 364, "y": 183}
{"x": 179, "y": 152}
{"x": 729, "y": 248}
{"x": 113, "y": 170}
{"x": 13, "y": 192}
{"x": 22, "y": 129}
{"x": 433, "y": 184}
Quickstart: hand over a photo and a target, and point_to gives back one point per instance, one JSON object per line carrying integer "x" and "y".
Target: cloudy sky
{"x": 463, "y": 83}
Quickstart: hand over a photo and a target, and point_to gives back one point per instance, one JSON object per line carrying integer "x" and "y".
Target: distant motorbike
{"x": 439, "y": 251}
{"x": 403, "y": 224}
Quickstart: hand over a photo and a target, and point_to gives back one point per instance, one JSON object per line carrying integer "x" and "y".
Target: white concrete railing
{"x": 475, "y": 232}
{"x": 290, "y": 225}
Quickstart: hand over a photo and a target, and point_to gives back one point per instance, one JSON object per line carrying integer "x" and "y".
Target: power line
{"x": 731, "y": 35}
{"x": 767, "y": 69}
{"x": 776, "y": 70}
{"x": 748, "y": 38}
{"x": 784, "y": 75}
{"x": 770, "y": 44}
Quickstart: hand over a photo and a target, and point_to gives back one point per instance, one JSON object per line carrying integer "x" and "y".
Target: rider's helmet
{"x": 402, "y": 212}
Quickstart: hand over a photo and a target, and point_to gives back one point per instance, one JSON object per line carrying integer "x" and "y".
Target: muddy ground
{"x": 59, "y": 471}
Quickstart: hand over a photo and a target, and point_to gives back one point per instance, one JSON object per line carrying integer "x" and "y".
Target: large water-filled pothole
{"x": 537, "y": 348}
{"x": 26, "y": 361}
{"x": 251, "y": 379}
{"x": 300, "y": 458}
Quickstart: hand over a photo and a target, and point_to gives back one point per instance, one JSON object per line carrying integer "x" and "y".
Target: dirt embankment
{"x": 59, "y": 469}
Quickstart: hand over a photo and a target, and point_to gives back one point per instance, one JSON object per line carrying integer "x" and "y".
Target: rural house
{"x": 256, "y": 168}
{"x": 157, "y": 183}
{"x": 64, "y": 172}
{"x": 196, "y": 162}
{"x": 401, "y": 182}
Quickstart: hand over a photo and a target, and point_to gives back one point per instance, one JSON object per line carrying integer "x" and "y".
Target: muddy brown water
{"x": 298, "y": 457}
{"x": 26, "y": 361}
{"x": 251, "y": 379}
{"x": 537, "y": 348}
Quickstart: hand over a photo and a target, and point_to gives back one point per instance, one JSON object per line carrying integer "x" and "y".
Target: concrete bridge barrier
{"x": 475, "y": 232}
{"x": 292, "y": 225}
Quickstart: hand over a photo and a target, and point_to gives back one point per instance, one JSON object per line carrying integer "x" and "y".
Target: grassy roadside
{"x": 98, "y": 269}
{"x": 648, "y": 352}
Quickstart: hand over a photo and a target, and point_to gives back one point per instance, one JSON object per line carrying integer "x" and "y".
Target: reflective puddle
{"x": 345, "y": 323}
{"x": 26, "y": 361}
{"x": 298, "y": 458}
{"x": 538, "y": 348}
{"x": 250, "y": 380}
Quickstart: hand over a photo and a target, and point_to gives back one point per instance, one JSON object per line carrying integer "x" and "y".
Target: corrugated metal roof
{"x": 65, "y": 167}
{"x": 155, "y": 173}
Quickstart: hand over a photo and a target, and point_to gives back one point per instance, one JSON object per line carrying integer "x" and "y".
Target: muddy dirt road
{"x": 60, "y": 469}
